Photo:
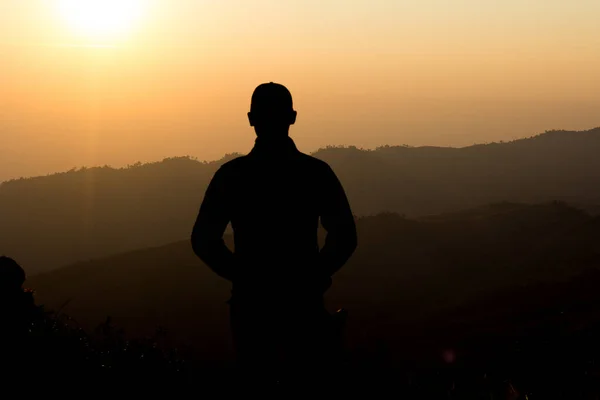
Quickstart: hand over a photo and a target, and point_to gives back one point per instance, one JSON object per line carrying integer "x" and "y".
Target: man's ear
{"x": 250, "y": 119}
{"x": 293, "y": 117}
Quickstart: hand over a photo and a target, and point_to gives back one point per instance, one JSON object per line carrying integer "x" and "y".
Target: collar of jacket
{"x": 274, "y": 147}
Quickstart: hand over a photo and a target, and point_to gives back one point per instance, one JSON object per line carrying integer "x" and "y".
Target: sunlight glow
{"x": 101, "y": 19}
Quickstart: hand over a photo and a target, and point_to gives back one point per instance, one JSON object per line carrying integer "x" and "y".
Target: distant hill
{"x": 407, "y": 277}
{"x": 78, "y": 215}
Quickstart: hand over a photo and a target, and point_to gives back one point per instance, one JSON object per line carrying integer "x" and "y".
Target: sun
{"x": 101, "y": 18}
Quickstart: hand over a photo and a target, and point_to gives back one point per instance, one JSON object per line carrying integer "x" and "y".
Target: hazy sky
{"x": 177, "y": 80}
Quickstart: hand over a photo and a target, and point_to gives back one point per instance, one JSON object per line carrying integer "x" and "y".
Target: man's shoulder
{"x": 235, "y": 162}
{"x": 233, "y": 165}
{"x": 314, "y": 162}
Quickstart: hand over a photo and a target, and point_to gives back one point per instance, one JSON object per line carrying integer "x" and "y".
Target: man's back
{"x": 274, "y": 198}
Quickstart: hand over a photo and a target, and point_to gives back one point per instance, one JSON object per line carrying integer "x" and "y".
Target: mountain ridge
{"x": 229, "y": 156}
{"x": 56, "y": 220}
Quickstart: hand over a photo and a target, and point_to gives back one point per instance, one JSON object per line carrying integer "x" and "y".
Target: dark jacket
{"x": 274, "y": 198}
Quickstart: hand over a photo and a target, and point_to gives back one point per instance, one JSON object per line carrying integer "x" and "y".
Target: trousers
{"x": 283, "y": 339}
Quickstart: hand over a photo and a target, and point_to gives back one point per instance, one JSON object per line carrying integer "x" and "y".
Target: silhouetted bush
{"x": 42, "y": 346}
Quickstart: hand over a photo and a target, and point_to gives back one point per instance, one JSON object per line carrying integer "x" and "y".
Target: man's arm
{"x": 212, "y": 220}
{"x": 337, "y": 219}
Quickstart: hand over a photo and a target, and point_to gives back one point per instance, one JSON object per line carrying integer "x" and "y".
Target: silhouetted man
{"x": 274, "y": 198}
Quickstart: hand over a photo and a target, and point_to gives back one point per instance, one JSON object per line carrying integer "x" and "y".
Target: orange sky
{"x": 178, "y": 80}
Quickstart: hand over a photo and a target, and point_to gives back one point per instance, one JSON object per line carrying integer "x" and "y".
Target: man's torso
{"x": 275, "y": 204}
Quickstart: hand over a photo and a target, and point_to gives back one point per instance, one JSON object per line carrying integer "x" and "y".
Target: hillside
{"x": 84, "y": 214}
{"x": 409, "y": 278}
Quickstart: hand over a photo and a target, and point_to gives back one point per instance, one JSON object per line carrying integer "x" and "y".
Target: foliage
{"x": 52, "y": 347}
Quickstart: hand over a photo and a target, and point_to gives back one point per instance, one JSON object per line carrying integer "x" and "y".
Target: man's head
{"x": 272, "y": 110}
